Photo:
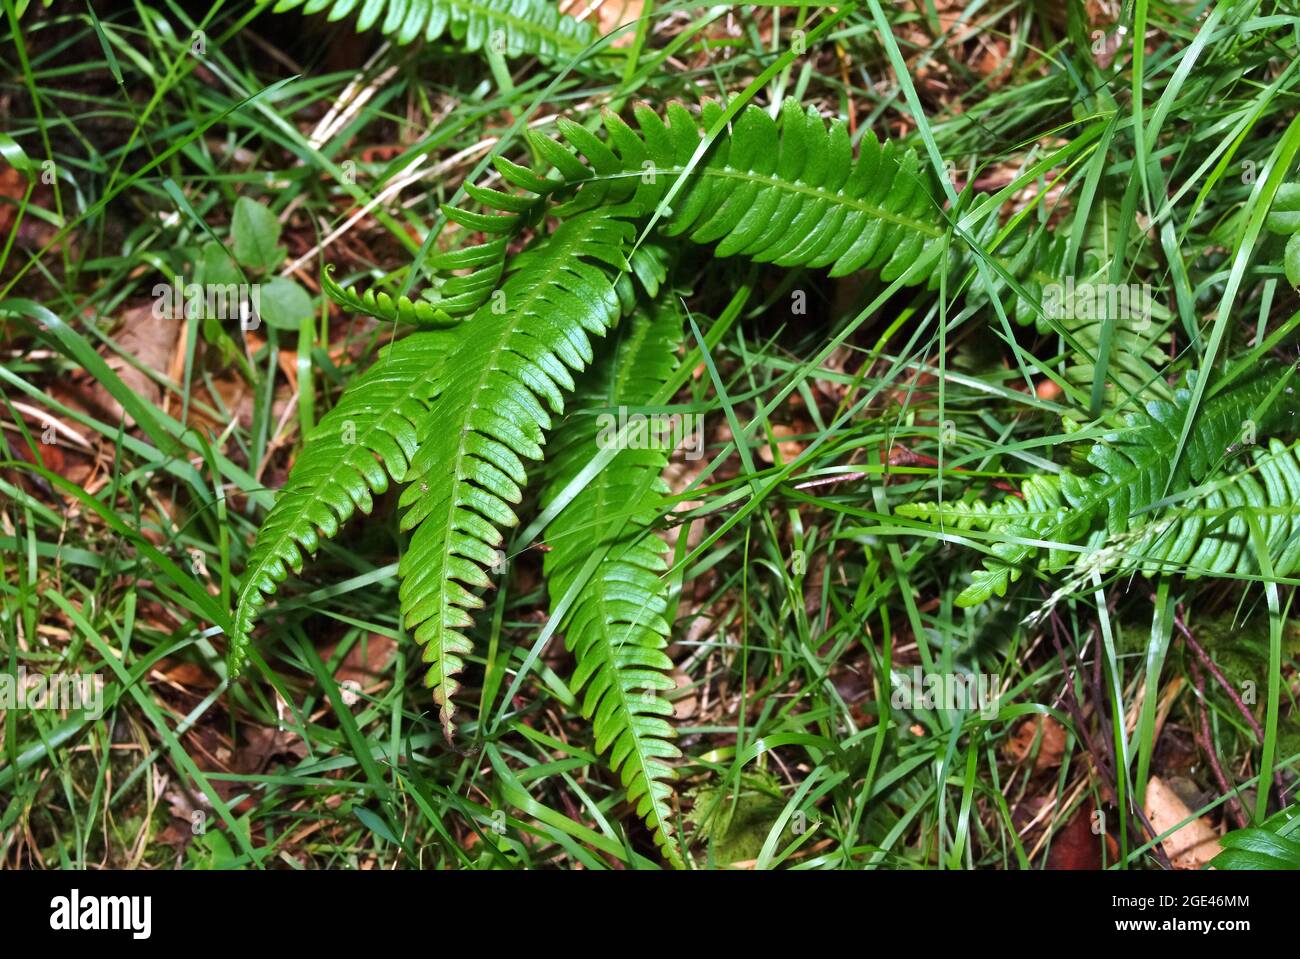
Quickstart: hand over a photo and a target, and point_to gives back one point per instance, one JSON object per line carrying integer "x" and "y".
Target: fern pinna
{"x": 1121, "y": 516}
{"x": 481, "y": 393}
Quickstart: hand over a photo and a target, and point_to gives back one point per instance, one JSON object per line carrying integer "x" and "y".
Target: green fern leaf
{"x": 616, "y": 627}
{"x": 788, "y": 192}
{"x": 489, "y": 417}
{"x": 459, "y": 295}
{"x": 356, "y": 448}
{"x": 1083, "y": 301}
{"x": 1118, "y": 500}
{"x": 1206, "y": 533}
{"x": 382, "y": 306}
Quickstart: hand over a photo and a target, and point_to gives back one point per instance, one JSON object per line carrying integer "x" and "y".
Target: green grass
{"x": 799, "y": 589}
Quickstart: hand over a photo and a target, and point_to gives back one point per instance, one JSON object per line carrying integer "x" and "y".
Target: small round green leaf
{"x": 285, "y": 304}
{"x": 217, "y": 266}
{"x": 1284, "y": 217}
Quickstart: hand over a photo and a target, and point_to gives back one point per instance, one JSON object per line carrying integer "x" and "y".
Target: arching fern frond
{"x": 616, "y": 627}
{"x": 788, "y": 192}
{"x": 356, "y": 448}
{"x": 490, "y": 416}
{"x": 1139, "y": 324}
{"x": 534, "y": 27}
{"x": 1120, "y": 502}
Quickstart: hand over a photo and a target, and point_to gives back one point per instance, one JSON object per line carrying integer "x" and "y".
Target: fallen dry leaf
{"x": 1076, "y": 846}
{"x": 790, "y": 450}
{"x": 12, "y": 187}
{"x": 366, "y": 668}
{"x": 1194, "y": 844}
{"x": 609, "y": 15}
{"x": 150, "y": 341}
{"x": 1050, "y": 749}
{"x": 689, "y": 703}
{"x": 263, "y": 744}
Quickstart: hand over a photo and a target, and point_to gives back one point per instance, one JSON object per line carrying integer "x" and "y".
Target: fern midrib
{"x": 820, "y": 193}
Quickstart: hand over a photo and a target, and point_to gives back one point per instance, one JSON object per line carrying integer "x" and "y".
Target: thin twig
{"x": 1206, "y": 742}
{"x": 1222, "y": 680}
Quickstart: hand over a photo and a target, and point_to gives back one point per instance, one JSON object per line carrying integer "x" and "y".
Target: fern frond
{"x": 1136, "y": 353}
{"x": 616, "y": 627}
{"x": 788, "y": 192}
{"x": 356, "y": 448}
{"x": 1119, "y": 500}
{"x": 1081, "y": 299}
{"x": 490, "y": 415}
{"x": 1206, "y": 534}
{"x": 1139, "y": 324}
{"x": 459, "y": 295}
{"x": 382, "y": 306}
{"x": 533, "y": 27}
